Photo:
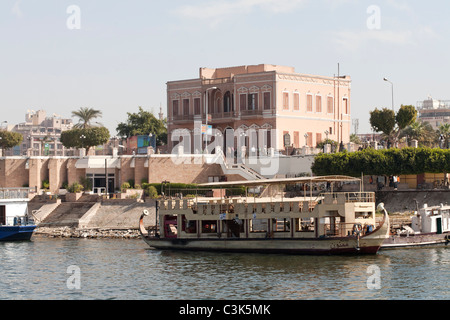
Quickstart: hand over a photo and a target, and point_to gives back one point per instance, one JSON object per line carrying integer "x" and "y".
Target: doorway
{"x": 439, "y": 225}
{"x": 98, "y": 182}
{"x": 2, "y": 215}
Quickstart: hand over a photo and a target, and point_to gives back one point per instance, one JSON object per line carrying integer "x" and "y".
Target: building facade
{"x": 41, "y": 135}
{"x": 281, "y": 107}
{"x": 435, "y": 112}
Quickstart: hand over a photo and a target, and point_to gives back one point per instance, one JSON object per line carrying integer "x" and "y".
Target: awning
{"x": 98, "y": 163}
{"x": 281, "y": 181}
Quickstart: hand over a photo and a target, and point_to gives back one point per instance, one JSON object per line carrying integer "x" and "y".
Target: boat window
{"x": 170, "y": 226}
{"x": 363, "y": 215}
{"x": 258, "y": 225}
{"x": 191, "y": 226}
{"x": 305, "y": 225}
{"x": 209, "y": 226}
{"x": 281, "y": 225}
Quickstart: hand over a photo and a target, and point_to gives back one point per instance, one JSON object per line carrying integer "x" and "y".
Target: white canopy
{"x": 98, "y": 163}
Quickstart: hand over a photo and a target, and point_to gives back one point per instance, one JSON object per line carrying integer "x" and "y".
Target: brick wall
{"x": 13, "y": 173}
{"x": 188, "y": 171}
{"x": 18, "y": 172}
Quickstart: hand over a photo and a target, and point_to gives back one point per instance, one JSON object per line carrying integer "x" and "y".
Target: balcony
{"x": 183, "y": 118}
{"x": 211, "y": 82}
{"x": 224, "y": 115}
{"x": 251, "y": 113}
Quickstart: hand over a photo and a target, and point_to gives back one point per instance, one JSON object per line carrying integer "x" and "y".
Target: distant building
{"x": 302, "y": 109}
{"x": 41, "y": 134}
{"x": 435, "y": 112}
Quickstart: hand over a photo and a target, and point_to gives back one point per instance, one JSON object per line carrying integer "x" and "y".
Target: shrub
{"x": 86, "y": 183}
{"x": 45, "y": 184}
{"x": 383, "y": 162}
{"x": 75, "y": 188}
{"x": 151, "y": 192}
{"x": 125, "y": 186}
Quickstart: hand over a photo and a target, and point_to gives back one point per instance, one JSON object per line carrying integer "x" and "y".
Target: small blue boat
{"x": 15, "y": 223}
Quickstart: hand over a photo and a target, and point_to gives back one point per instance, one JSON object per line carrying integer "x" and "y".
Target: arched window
{"x": 227, "y": 104}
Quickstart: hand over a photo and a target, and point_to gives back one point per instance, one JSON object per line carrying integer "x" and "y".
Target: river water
{"x": 87, "y": 269}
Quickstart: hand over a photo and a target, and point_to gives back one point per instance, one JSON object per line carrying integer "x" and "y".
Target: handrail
{"x": 14, "y": 193}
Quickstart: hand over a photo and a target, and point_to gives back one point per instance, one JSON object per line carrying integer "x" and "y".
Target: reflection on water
{"x": 128, "y": 269}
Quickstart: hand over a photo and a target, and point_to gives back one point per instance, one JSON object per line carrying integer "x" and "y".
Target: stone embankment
{"x": 67, "y": 232}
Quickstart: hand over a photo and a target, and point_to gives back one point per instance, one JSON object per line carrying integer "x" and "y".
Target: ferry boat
{"x": 15, "y": 223}
{"x": 325, "y": 224}
{"x": 430, "y": 226}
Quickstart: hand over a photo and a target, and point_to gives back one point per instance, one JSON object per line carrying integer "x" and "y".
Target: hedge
{"x": 383, "y": 162}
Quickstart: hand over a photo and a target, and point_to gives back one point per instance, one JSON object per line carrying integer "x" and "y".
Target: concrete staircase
{"x": 67, "y": 214}
{"x": 117, "y": 214}
{"x": 234, "y": 169}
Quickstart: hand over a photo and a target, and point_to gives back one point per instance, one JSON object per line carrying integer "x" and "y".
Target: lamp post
{"x": 206, "y": 116}
{"x": 82, "y": 137}
{"x": 392, "y": 88}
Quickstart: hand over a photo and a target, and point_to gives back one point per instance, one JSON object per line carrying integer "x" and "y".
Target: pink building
{"x": 280, "y": 105}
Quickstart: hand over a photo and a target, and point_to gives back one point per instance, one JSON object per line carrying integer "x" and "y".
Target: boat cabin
{"x": 14, "y": 206}
{"x": 328, "y": 214}
{"x": 432, "y": 220}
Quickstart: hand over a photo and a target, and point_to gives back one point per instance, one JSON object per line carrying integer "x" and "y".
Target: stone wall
{"x": 31, "y": 171}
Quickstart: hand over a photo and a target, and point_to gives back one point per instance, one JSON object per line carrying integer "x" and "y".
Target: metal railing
{"x": 14, "y": 193}
{"x": 342, "y": 229}
{"x": 350, "y": 196}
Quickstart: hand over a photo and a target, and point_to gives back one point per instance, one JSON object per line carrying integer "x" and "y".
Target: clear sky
{"x": 117, "y": 55}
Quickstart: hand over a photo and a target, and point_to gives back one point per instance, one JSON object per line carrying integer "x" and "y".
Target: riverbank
{"x": 397, "y": 222}
{"x": 67, "y": 232}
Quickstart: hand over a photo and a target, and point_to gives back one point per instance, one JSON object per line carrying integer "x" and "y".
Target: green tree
{"x": 422, "y": 132}
{"x": 392, "y": 124}
{"x": 355, "y": 139}
{"x": 143, "y": 123}
{"x": 9, "y": 139}
{"x": 406, "y": 116}
{"x": 382, "y": 120}
{"x": 85, "y": 138}
{"x": 86, "y": 115}
{"x": 444, "y": 131}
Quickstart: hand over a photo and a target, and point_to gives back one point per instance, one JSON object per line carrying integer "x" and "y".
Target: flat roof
{"x": 261, "y": 182}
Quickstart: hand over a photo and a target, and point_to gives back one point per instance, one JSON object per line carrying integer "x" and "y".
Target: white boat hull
{"x": 416, "y": 241}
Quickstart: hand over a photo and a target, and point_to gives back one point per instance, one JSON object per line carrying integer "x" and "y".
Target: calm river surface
{"x": 85, "y": 269}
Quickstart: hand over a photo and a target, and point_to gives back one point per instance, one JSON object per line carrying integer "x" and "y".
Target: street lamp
{"x": 206, "y": 115}
{"x": 82, "y": 137}
{"x": 392, "y": 87}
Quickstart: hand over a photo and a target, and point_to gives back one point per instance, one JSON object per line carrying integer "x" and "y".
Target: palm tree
{"x": 86, "y": 115}
{"x": 422, "y": 132}
{"x": 444, "y": 131}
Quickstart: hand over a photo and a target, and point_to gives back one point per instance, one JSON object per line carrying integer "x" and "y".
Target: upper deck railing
{"x": 350, "y": 196}
{"x": 14, "y": 193}
{"x": 212, "y": 206}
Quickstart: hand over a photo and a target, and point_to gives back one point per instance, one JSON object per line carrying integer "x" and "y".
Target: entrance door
{"x": 170, "y": 227}
{"x": 2, "y": 215}
{"x": 439, "y": 225}
{"x": 110, "y": 185}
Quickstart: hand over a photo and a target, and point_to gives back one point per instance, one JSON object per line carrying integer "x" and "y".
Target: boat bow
{"x": 142, "y": 230}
